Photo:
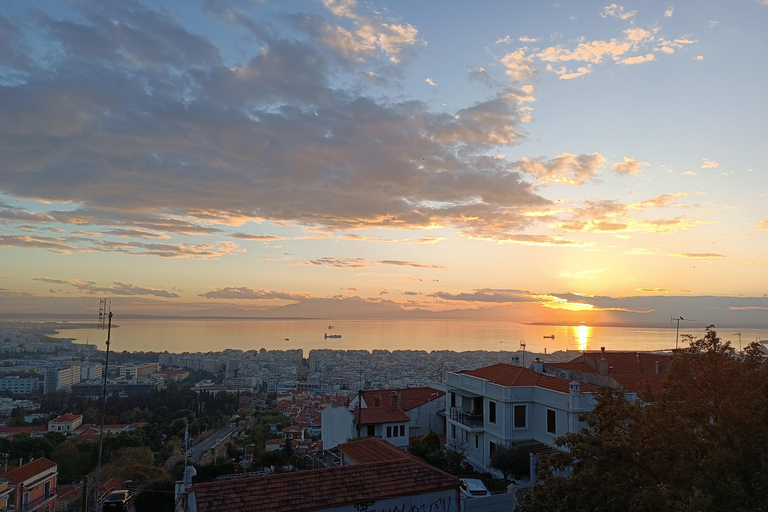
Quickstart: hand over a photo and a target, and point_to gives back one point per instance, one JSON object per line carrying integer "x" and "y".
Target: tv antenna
{"x": 105, "y": 321}
{"x": 522, "y": 349}
{"x": 739, "y": 335}
{"x": 677, "y": 332}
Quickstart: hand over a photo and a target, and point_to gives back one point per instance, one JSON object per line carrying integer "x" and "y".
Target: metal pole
{"x": 103, "y": 411}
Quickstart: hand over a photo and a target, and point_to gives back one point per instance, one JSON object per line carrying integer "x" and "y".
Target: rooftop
{"x": 372, "y": 449}
{"x": 376, "y": 415}
{"x": 322, "y": 488}
{"x": 510, "y": 375}
{"x": 29, "y": 470}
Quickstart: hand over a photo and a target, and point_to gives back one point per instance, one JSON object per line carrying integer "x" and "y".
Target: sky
{"x": 569, "y": 162}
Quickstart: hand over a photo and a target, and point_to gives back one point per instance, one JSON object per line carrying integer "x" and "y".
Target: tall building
{"x": 61, "y": 379}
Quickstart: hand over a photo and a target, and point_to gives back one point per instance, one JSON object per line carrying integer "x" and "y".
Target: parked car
{"x": 473, "y": 488}
{"x": 118, "y": 500}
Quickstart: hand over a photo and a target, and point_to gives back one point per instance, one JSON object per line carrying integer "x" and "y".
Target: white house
{"x": 339, "y": 425}
{"x": 504, "y": 404}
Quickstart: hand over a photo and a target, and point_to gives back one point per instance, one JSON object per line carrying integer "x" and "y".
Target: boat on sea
{"x": 550, "y": 337}
{"x": 332, "y": 336}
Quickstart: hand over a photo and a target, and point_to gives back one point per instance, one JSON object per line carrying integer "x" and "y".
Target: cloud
{"x": 629, "y": 166}
{"x": 519, "y": 66}
{"x": 669, "y": 11}
{"x": 117, "y": 288}
{"x": 506, "y": 39}
{"x": 259, "y": 238}
{"x": 617, "y": 11}
{"x": 371, "y": 31}
{"x": 488, "y": 295}
{"x": 246, "y": 293}
{"x": 430, "y": 82}
{"x": 699, "y": 255}
{"x": 762, "y": 225}
{"x": 662, "y": 290}
{"x": 355, "y": 263}
{"x": 566, "y": 168}
{"x": 526, "y": 39}
{"x": 708, "y": 164}
{"x": 699, "y": 57}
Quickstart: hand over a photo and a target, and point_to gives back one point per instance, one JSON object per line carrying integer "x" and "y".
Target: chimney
{"x": 602, "y": 363}
{"x": 575, "y": 388}
{"x": 658, "y": 367}
{"x": 538, "y": 365}
{"x": 399, "y": 394}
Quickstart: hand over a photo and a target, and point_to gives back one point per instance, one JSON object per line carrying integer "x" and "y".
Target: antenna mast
{"x": 522, "y": 347}
{"x": 105, "y": 317}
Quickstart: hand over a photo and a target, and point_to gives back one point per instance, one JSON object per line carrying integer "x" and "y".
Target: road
{"x": 199, "y": 449}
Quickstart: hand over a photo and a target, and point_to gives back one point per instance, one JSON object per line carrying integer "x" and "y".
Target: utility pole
{"x": 105, "y": 314}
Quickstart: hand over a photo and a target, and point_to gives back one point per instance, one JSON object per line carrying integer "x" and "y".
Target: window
{"x": 477, "y": 441}
{"x": 491, "y": 411}
{"x": 389, "y": 431}
{"x": 402, "y": 430}
{"x": 371, "y": 430}
{"x": 453, "y": 431}
{"x": 520, "y": 416}
{"x": 491, "y": 448}
{"x": 551, "y": 422}
{"x": 47, "y": 490}
{"x": 453, "y": 399}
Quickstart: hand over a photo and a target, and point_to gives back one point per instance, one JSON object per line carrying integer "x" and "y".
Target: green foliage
{"x": 699, "y": 446}
{"x": 510, "y": 460}
{"x": 156, "y": 497}
{"x": 429, "y": 449}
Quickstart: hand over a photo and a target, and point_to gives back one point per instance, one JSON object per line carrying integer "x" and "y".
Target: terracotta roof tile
{"x": 376, "y": 415}
{"x": 505, "y": 374}
{"x": 641, "y": 383}
{"x": 631, "y": 362}
{"x": 410, "y": 398}
{"x": 322, "y": 488}
{"x": 30, "y": 469}
{"x": 372, "y": 449}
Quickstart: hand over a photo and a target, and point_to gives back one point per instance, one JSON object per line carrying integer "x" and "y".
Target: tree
{"x": 429, "y": 449}
{"x": 700, "y": 445}
{"x": 510, "y": 460}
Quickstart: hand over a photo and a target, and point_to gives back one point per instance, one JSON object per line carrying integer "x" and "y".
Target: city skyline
{"x": 563, "y": 163}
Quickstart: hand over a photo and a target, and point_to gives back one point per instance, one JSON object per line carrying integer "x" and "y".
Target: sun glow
{"x": 582, "y": 335}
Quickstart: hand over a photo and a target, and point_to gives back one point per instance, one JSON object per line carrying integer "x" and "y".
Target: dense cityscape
{"x": 383, "y": 256}
{"x": 178, "y": 430}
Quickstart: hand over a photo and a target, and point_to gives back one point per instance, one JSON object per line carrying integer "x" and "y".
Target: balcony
{"x": 473, "y": 421}
{"x": 38, "y": 503}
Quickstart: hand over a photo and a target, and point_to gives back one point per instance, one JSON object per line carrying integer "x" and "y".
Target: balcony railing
{"x": 39, "y": 502}
{"x": 470, "y": 420}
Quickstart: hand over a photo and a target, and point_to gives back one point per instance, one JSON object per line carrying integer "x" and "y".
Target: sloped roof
{"x": 376, "y": 415}
{"x": 577, "y": 367}
{"x": 322, "y": 488}
{"x": 372, "y": 449}
{"x": 410, "y": 398}
{"x": 631, "y": 362}
{"x": 67, "y": 417}
{"x": 30, "y": 469}
{"x": 640, "y": 383}
{"x": 510, "y": 375}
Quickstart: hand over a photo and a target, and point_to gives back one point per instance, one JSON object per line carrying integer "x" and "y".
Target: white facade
{"x": 15, "y": 384}
{"x": 90, "y": 372}
{"x": 483, "y": 414}
{"x": 336, "y": 426}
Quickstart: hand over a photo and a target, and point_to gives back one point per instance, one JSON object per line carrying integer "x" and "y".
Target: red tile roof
{"x": 410, "y": 398}
{"x": 505, "y": 374}
{"x": 29, "y": 470}
{"x": 641, "y": 383}
{"x": 322, "y": 488}
{"x": 631, "y": 362}
{"x": 376, "y": 415}
{"x": 577, "y": 367}
{"x": 9, "y": 432}
{"x": 372, "y": 450}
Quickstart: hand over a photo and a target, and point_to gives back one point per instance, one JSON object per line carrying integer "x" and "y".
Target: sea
{"x": 215, "y": 335}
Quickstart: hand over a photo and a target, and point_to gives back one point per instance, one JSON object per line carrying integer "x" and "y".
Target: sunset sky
{"x": 529, "y": 161}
